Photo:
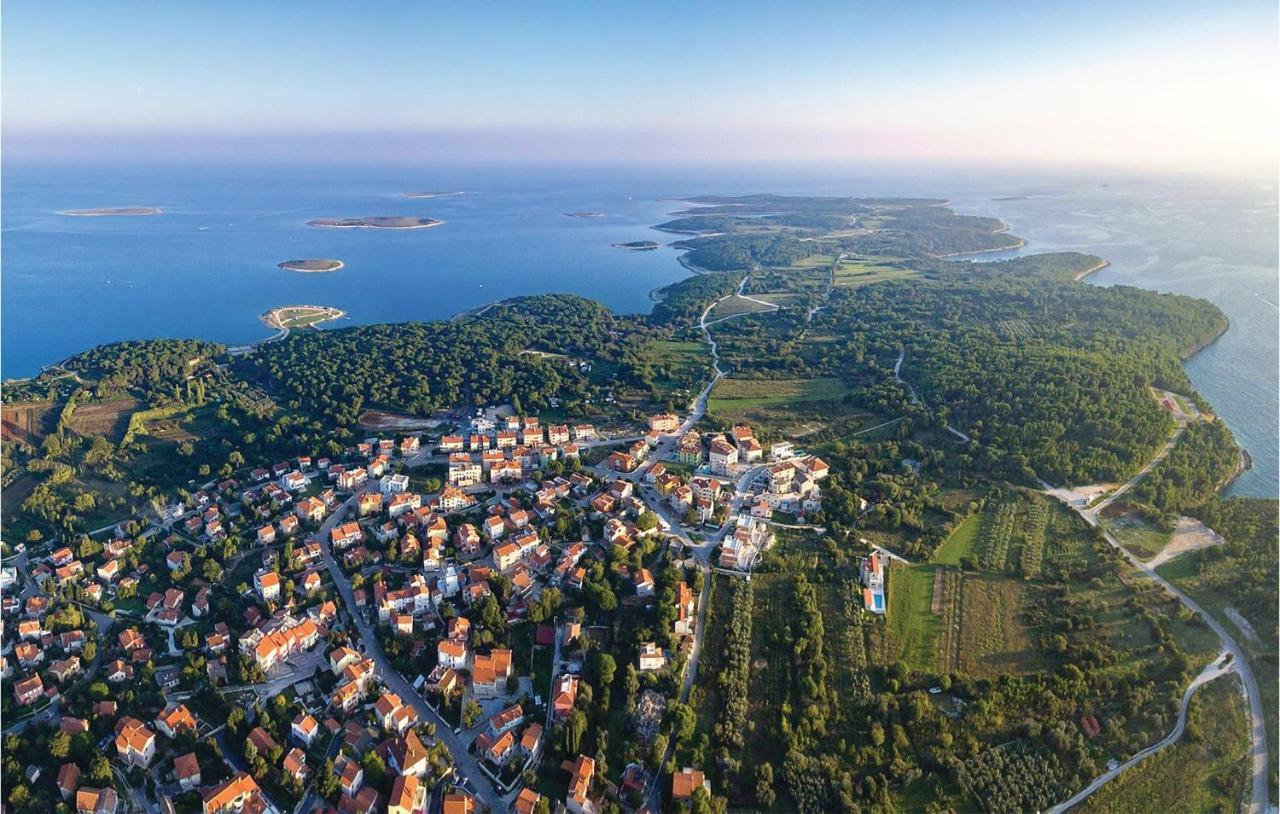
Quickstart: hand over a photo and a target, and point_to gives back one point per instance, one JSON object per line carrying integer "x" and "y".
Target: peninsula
{"x": 311, "y": 265}
{"x": 376, "y": 222}
{"x": 816, "y": 479}
{"x": 113, "y": 212}
{"x": 301, "y": 316}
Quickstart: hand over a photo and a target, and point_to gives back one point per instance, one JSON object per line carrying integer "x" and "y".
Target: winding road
{"x": 1219, "y": 667}
{"x": 1239, "y": 663}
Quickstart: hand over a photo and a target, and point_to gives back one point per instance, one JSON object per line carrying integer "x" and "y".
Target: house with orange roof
{"x": 262, "y": 741}
{"x": 186, "y": 770}
{"x": 408, "y": 796}
{"x": 68, "y": 779}
{"x": 304, "y": 729}
{"x": 237, "y": 795}
{"x": 531, "y": 739}
{"x": 96, "y": 801}
{"x": 458, "y": 802}
{"x": 175, "y": 719}
{"x": 581, "y": 771}
{"x": 452, "y": 653}
{"x": 350, "y": 775}
{"x": 526, "y": 801}
{"x": 685, "y": 782}
{"x": 29, "y": 690}
{"x": 135, "y": 744}
{"x": 489, "y": 673}
{"x": 563, "y": 696}
{"x": 295, "y": 765}
{"x": 497, "y": 750}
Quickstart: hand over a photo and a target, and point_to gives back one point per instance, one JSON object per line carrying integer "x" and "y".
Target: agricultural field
{"x": 912, "y": 629}
{"x": 1138, "y": 536}
{"x": 959, "y": 544}
{"x": 854, "y": 273}
{"x": 1010, "y": 538}
{"x": 676, "y": 365}
{"x": 1067, "y": 540}
{"x": 29, "y": 422}
{"x": 994, "y": 638}
{"x": 1205, "y": 771}
{"x": 734, "y": 305}
{"x": 771, "y": 655}
{"x": 106, "y": 418}
{"x": 846, "y": 644}
{"x": 734, "y": 396}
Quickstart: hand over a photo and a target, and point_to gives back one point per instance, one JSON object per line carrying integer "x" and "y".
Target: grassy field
{"x": 677, "y": 366}
{"x": 1139, "y": 537}
{"x": 912, "y": 629}
{"x": 1204, "y": 773}
{"x": 733, "y": 306}
{"x": 854, "y": 273}
{"x": 994, "y": 639}
{"x": 740, "y": 394}
{"x": 779, "y": 298}
{"x": 106, "y": 418}
{"x": 959, "y": 543}
{"x": 796, "y": 406}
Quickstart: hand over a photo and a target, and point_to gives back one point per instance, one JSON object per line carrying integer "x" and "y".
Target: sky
{"x": 1177, "y": 85}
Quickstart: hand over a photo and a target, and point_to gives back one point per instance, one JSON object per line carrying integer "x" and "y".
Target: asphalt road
{"x": 391, "y": 677}
{"x": 1214, "y": 670}
{"x": 1258, "y": 724}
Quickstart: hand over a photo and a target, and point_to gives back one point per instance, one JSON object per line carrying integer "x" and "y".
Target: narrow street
{"x": 387, "y": 673}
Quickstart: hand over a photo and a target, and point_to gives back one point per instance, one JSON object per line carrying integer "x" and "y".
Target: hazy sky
{"x": 1188, "y": 85}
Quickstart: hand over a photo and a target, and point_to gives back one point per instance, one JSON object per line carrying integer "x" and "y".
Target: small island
{"x": 300, "y": 316}
{"x": 584, "y": 214}
{"x": 425, "y": 195}
{"x": 637, "y": 245}
{"x": 311, "y": 265}
{"x": 114, "y": 212}
{"x": 376, "y": 222}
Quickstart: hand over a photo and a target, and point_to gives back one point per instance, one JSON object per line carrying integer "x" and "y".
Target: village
{"x": 407, "y": 628}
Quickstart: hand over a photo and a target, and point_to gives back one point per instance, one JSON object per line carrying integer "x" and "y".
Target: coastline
{"x": 274, "y": 317}
{"x": 1021, "y": 244}
{"x": 476, "y": 311}
{"x": 1099, "y": 267}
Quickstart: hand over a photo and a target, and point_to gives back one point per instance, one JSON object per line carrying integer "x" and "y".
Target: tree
{"x": 765, "y": 794}
{"x": 603, "y": 667}
{"x": 100, "y": 770}
{"x": 60, "y": 745}
{"x": 471, "y": 713}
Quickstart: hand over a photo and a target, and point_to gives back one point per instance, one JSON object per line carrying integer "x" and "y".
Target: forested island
{"x": 637, "y": 245}
{"x": 1019, "y": 652}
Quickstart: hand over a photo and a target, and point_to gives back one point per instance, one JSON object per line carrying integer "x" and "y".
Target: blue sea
{"x": 207, "y": 267}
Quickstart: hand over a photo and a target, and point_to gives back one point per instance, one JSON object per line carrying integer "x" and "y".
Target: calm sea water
{"x": 206, "y": 268}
